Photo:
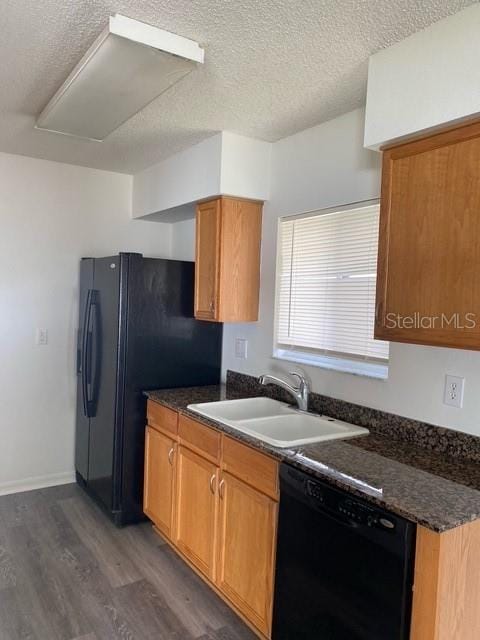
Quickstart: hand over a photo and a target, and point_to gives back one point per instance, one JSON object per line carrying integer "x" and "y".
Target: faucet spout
{"x": 300, "y": 392}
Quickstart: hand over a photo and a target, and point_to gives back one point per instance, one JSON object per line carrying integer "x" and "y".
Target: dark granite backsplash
{"x": 438, "y": 440}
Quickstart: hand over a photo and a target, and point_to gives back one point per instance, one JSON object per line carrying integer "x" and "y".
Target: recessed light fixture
{"x": 129, "y": 65}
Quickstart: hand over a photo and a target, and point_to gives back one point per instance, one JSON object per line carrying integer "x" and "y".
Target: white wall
{"x": 323, "y": 167}
{"x": 51, "y": 215}
{"x": 245, "y": 167}
{"x": 428, "y": 79}
{"x": 183, "y": 178}
{"x": 183, "y": 240}
{"x": 225, "y": 164}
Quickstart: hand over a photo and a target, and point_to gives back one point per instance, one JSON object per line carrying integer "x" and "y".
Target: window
{"x": 325, "y": 298}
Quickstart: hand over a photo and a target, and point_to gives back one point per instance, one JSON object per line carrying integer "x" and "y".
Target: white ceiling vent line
{"x": 129, "y": 65}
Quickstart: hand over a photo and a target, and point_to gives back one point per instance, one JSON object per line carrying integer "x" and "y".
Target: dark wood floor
{"x": 67, "y": 573}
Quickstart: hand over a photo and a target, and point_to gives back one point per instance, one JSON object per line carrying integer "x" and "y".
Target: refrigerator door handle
{"x": 94, "y": 353}
{"x": 84, "y": 355}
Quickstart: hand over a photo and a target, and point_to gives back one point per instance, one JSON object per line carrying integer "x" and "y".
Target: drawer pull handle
{"x": 170, "y": 455}
{"x": 221, "y": 489}
{"x": 212, "y": 483}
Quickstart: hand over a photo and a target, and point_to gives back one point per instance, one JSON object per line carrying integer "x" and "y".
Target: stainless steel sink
{"x": 276, "y": 422}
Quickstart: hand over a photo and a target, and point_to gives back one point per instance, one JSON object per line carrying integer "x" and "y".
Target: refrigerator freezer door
{"x": 82, "y": 434}
{"x": 166, "y": 347}
{"x": 102, "y": 390}
{"x": 142, "y": 336}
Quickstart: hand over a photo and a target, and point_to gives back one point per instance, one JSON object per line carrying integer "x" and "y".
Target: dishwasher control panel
{"x": 364, "y": 514}
{"x": 356, "y": 511}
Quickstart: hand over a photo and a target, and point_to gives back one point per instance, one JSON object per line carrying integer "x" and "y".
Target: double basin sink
{"x": 276, "y": 423}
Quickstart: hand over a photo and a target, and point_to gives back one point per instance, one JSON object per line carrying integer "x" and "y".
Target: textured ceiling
{"x": 272, "y": 67}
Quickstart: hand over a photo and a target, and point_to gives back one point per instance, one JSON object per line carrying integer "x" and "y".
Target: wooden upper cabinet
{"x": 196, "y": 509}
{"x": 227, "y": 270}
{"x": 207, "y": 259}
{"x": 246, "y": 550}
{"x": 428, "y": 284}
{"x": 160, "y": 454}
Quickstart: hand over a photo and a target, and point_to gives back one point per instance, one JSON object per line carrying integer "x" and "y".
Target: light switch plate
{"x": 41, "y": 336}
{"x": 453, "y": 394}
{"x": 241, "y": 345}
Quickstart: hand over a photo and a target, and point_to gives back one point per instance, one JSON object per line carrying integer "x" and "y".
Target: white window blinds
{"x": 327, "y": 266}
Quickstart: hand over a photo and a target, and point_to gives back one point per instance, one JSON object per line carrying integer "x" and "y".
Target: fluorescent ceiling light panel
{"x": 129, "y": 65}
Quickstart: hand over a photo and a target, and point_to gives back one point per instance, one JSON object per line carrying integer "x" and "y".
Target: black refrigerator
{"x": 136, "y": 332}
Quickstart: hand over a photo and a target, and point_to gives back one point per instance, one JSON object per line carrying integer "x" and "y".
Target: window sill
{"x": 344, "y": 365}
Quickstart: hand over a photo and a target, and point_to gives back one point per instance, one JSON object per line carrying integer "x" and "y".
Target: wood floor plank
{"x": 149, "y": 613}
{"x": 8, "y": 572}
{"x": 230, "y": 633}
{"x": 61, "y": 492}
{"x": 24, "y": 507}
{"x": 43, "y": 590}
{"x": 95, "y": 595}
{"x": 192, "y": 601}
{"x": 16, "y": 509}
{"x": 74, "y": 566}
{"x": 15, "y": 621}
{"x": 86, "y": 590}
{"x": 234, "y": 632}
{"x": 67, "y": 573}
{"x": 103, "y": 540}
{"x": 123, "y": 621}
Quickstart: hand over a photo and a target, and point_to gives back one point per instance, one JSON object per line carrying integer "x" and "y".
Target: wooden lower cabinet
{"x": 159, "y": 479}
{"x": 246, "y": 549}
{"x": 216, "y": 502}
{"x": 196, "y": 504}
{"x": 446, "y": 596}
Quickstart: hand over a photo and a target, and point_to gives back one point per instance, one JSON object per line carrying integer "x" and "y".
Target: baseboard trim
{"x": 39, "y": 482}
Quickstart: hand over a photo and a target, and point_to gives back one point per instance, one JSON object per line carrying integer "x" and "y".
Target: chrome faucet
{"x": 300, "y": 393}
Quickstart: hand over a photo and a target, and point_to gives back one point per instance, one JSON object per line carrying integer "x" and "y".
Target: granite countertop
{"x": 433, "y": 489}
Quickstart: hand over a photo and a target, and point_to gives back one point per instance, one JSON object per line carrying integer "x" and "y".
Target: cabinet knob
{"x": 212, "y": 306}
{"x": 221, "y": 489}
{"x": 170, "y": 455}
{"x": 212, "y": 483}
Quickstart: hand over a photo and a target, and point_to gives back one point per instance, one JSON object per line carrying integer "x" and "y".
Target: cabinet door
{"x": 246, "y": 550}
{"x": 429, "y": 244}
{"x": 196, "y": 509}
{"x": 159, "y": 479}
{"x": 239, "y": 279}
{"x": 207, "y": 254}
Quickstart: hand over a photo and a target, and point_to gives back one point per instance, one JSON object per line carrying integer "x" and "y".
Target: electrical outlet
{"x": 241, "y": 346}
{"x": 453, "y": 394}
{"x": 41, "y": 336}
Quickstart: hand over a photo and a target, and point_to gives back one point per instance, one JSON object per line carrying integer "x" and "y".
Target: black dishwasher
{"x": 344, "y": 567}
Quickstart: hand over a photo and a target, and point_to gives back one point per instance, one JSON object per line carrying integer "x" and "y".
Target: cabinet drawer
{"x": 255, "y": 468}
{"x": 199, "y": 438}
{"x": 160, "y": 417}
